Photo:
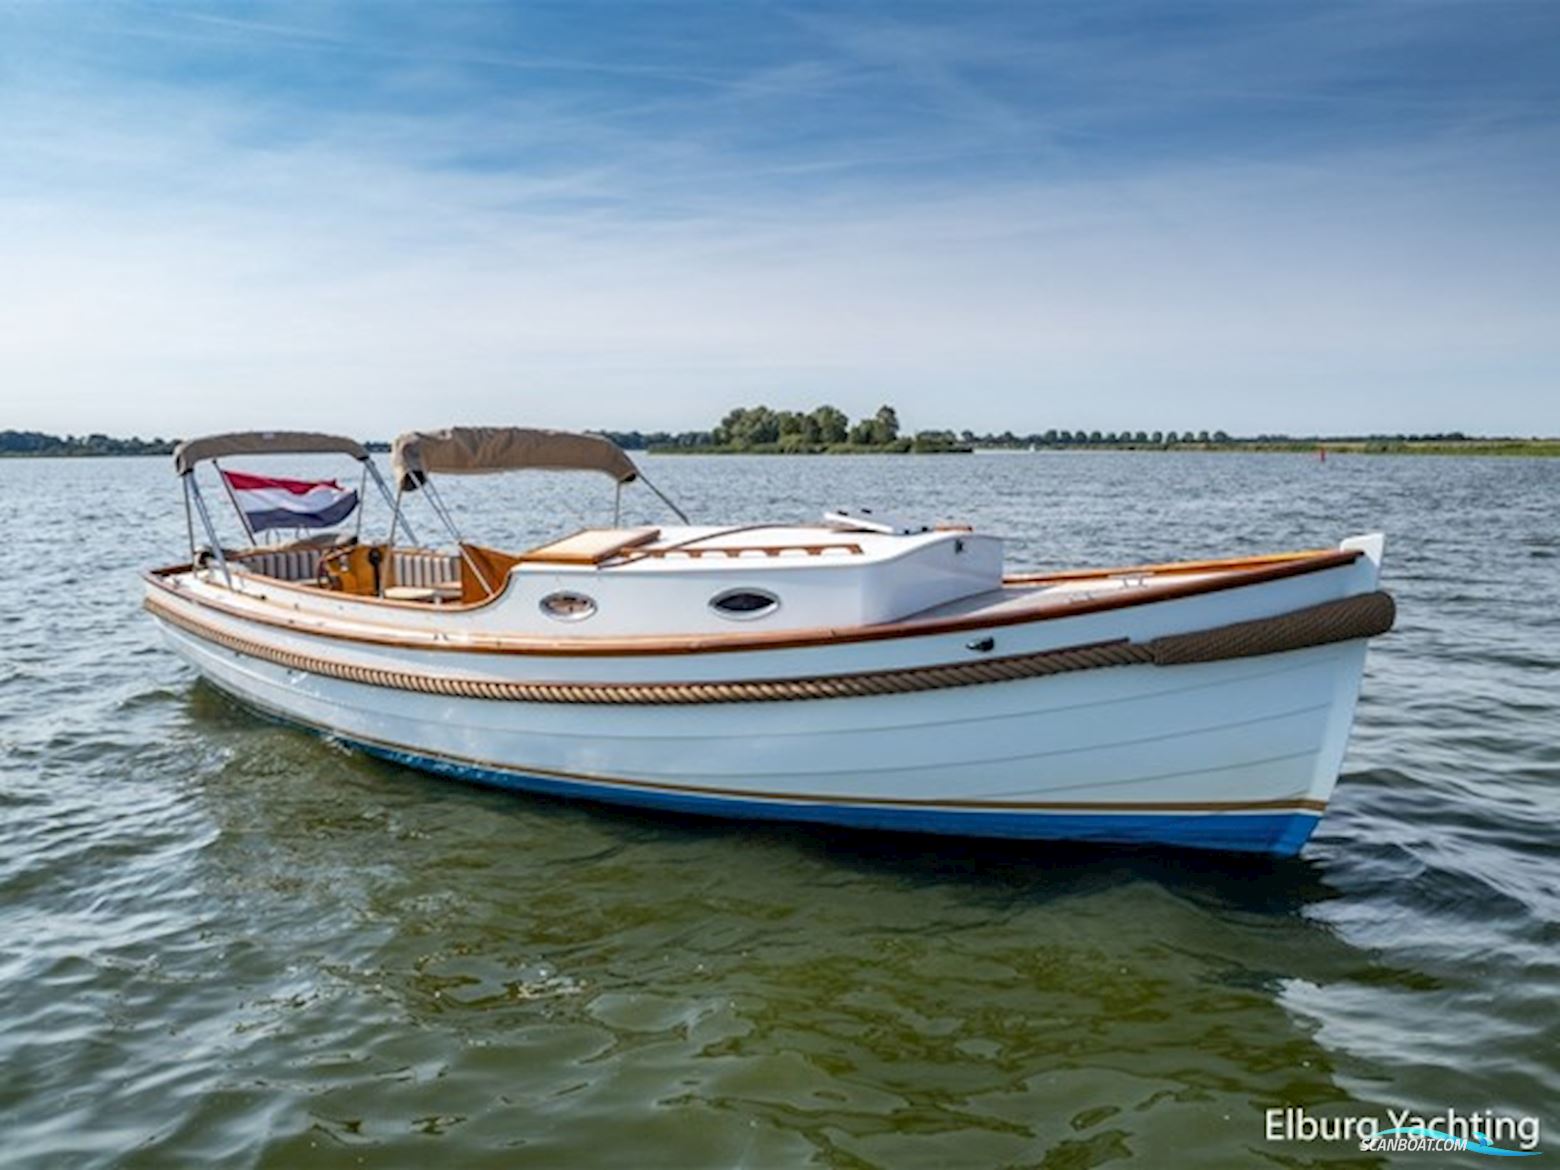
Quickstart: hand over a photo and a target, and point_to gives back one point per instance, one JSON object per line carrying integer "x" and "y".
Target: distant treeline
{"x": 758, "y": 429}
{"x": 37, "y": 443}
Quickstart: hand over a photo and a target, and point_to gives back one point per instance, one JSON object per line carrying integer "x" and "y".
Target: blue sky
{"x": 1253, "y": 215}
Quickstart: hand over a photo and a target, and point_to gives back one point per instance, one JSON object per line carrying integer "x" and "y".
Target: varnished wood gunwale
{"x": 1263, "y": 570}
{"x": 1167, "y": 568}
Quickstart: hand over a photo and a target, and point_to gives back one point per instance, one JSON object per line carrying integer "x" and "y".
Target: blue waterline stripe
{"x": 1276, "y": 833}
{"x": 1281, "y": 834}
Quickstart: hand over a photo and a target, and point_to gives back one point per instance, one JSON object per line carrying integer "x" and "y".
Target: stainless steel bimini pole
{"x": 192, "y": 486}
{"x": 189, "y": 516}
{"x": 443, "y": 514}
{"x": 396, "y": 519}
{"x": 665, "y": 499}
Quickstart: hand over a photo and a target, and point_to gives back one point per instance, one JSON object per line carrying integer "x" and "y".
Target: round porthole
{"x": 567, "y": 607}
{"x": 744, "y": 604}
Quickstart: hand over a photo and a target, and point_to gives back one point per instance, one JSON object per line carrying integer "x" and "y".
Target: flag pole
{"x": 357, "y": 532}
{"x": 232, "y": 499}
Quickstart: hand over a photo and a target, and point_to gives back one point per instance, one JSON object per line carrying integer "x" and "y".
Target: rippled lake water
{"x": 224, "y": 941}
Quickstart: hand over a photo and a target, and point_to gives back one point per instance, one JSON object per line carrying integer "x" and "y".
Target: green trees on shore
{"x": 38, "y": 443}
{"x": 760, "y": 429}
{"x": 827, "y": 428}
{"x": 755, "y": 427}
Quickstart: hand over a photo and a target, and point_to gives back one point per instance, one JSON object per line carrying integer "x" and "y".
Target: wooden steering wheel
{"x": 333, "y": 569}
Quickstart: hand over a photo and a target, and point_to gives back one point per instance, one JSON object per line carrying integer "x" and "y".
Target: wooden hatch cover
{"x": 589, "y": 546}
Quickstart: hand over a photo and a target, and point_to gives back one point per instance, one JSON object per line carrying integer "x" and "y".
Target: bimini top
{"x": 192, "y": 451}
{"x": 478, "y": 450}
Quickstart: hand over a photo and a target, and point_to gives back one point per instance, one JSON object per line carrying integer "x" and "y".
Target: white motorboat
{"x": 858, "y": 671}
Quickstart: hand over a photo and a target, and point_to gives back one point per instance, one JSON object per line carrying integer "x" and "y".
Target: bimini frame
{"x": 485, "y": 450}
{"x": 193, "y": 452}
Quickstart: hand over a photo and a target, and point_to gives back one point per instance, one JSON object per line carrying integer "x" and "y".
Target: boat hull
{"x": 1234, "y": 755}
{"x": 1280, "y": 834}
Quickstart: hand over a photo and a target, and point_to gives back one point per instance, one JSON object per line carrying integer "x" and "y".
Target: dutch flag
{"x": 267, "y": 502}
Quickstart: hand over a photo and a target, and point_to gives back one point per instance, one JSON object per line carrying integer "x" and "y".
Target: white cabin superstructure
{"x": 697, "y": 580}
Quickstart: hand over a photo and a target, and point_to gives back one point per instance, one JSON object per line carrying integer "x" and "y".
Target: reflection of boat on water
{"x": 860, "y": 671}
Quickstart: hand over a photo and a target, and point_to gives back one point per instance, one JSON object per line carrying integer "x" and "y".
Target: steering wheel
{"x": 333, "y": 566}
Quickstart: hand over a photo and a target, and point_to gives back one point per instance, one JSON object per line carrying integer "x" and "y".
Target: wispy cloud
{"x": 992, "y": 219}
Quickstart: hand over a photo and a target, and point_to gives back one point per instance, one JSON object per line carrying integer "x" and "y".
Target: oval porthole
{"x": 567, "y": 607}
{"x": 744, "y": 604}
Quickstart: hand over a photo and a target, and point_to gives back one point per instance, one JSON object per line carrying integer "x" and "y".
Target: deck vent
{"x": 744, "y": 604}
{"x": 567, "y": 607}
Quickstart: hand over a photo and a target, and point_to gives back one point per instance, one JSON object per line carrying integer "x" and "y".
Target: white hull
{"x": 1236, "y": 754}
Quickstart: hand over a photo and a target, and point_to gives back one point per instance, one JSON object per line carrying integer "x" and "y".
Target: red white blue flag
{"x": 268, "y": 502}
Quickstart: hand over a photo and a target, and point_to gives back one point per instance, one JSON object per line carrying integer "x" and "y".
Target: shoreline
{"x": 1499, "y": 448}
{"x": 1513, "y": 448}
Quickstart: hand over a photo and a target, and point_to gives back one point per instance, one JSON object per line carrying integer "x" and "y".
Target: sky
{"x": 1255, "y": 216}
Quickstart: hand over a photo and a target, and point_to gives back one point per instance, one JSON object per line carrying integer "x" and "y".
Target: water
{"x": 225, "y": 941}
